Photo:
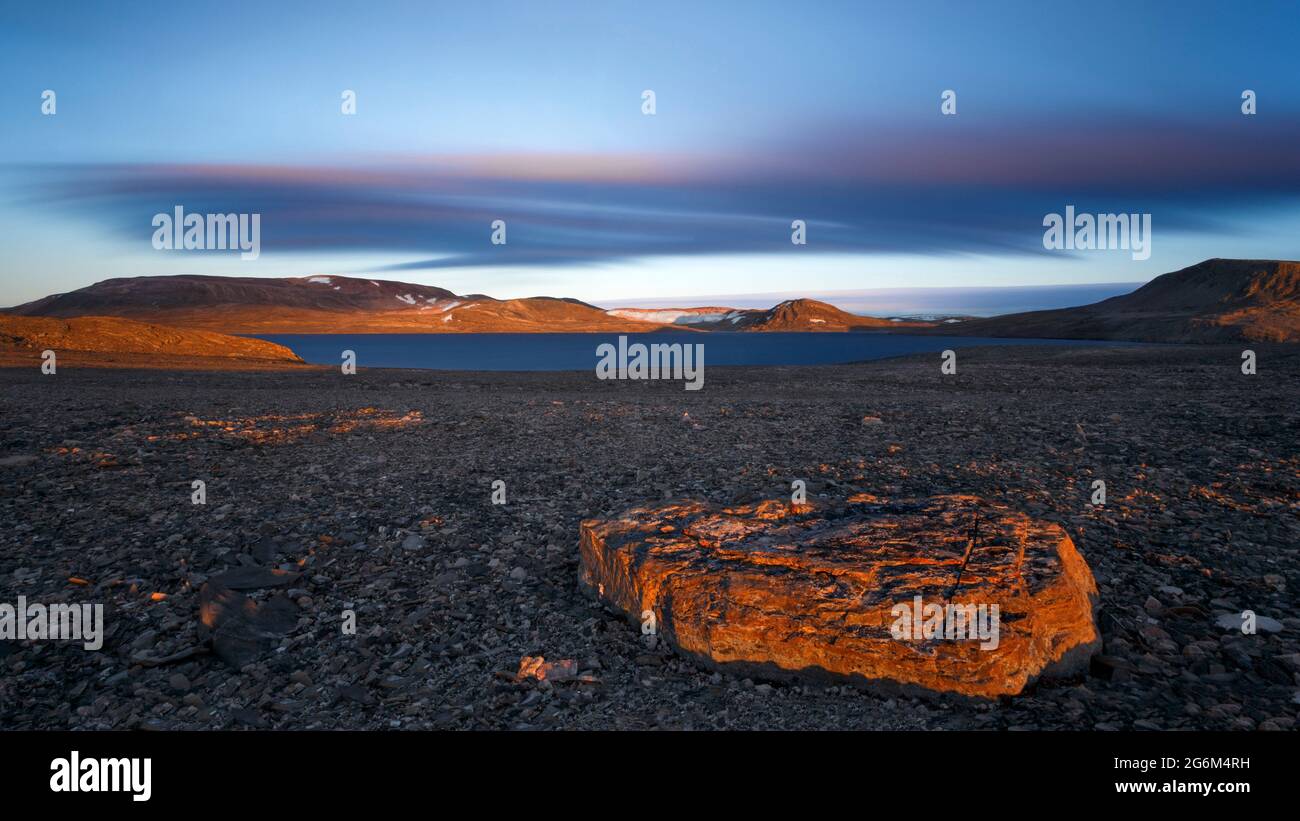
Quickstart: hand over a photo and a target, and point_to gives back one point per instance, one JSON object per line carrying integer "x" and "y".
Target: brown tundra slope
{"x": 102, "y": 340}
{"x": 321, "y": 304}
{"x": 1219, "y": 300}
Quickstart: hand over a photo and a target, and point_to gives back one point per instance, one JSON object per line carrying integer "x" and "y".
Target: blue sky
{"x": 531, "y": 112}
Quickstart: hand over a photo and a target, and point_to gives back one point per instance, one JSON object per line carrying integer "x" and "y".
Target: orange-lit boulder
{"x": 951, "y": 594}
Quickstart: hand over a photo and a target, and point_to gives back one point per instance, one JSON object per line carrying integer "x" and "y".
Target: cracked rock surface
{"x": 810, "y": 591}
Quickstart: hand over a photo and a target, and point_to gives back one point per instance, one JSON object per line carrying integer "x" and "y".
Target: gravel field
{"x": 372, "y": 493}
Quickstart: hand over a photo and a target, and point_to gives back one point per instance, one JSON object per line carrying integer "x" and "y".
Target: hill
{"x": 1219, "y": 300}
{"x": 320, "y": 304}
{"x": 112, "y": 340}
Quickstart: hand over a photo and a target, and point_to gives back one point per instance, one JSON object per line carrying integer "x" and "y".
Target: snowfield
{"x": 666, "y": 316}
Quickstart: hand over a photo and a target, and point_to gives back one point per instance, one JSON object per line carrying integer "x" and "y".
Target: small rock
{"x": 538, "y": 668}
{"x": 1235, "y": 621}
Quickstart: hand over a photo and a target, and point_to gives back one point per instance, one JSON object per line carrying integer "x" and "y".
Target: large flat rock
{"x": 815, "y": 592}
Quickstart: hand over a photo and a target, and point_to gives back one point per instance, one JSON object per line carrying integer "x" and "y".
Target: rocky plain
{"x": 367, "y": 500}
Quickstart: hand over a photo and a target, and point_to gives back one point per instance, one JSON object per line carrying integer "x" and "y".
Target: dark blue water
{"x": 564, "y": 352}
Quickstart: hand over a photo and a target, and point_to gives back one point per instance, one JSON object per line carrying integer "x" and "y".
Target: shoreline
{"x": 99, "y": 360}
{"x": 145, "y": 362}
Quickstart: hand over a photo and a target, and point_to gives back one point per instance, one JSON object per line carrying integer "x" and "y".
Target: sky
{"x": 533, "y": 113}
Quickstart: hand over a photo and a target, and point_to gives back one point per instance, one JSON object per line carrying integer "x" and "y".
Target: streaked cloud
{"x": 944, "y": 190}
{"x": 532, "y": 113}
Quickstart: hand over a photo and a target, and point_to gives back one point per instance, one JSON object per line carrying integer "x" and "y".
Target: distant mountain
{"x": 336, "y": 304}
{"x": 1219, "y": 300}
{"x": 321, "y": 304}
{"x": 811, "y": 315}
{"x": 23, "y": 338}
{"x": 790, "y": 315}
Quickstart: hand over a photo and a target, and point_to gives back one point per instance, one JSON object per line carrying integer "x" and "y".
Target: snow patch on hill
{"x": 665, "y": 316}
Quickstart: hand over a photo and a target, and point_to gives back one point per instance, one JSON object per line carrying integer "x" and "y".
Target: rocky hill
{"x": 1219, "y": 300}
{"x": 812, "y": 315}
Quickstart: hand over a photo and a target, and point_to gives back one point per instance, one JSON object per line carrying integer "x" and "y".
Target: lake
{"x": 565, "y": 352}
